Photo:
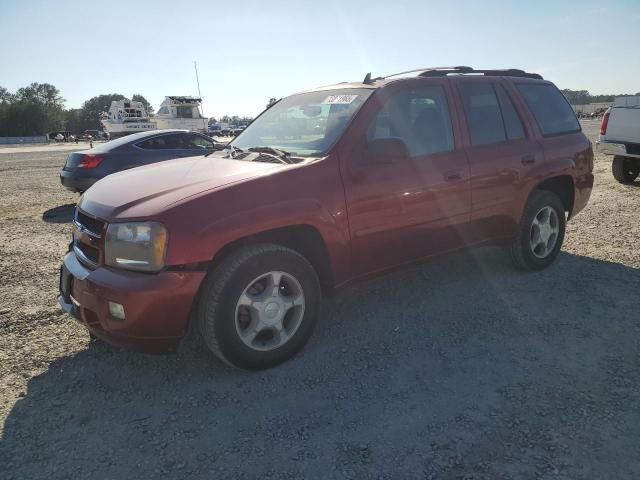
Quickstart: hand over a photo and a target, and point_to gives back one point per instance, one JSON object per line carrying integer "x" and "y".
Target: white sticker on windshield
{"x": 339, "y": 99}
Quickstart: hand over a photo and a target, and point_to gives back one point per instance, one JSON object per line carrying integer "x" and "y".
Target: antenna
{"x": 195, "y": 66}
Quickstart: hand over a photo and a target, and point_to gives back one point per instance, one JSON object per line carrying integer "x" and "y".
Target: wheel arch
{"x": 562, "y": 186}
{"x": 304, "y": 239}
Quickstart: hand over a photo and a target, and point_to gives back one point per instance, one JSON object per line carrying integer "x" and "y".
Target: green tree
{"x": 577, "y": 97}
{"x": 33, "y": 110}
{"x": 5, "y": 100}
{"x": 139, "y": 98}
{"x": 73, "y": 120}
{"x": 272, "y": 100}
{"x": 5, "y": 96}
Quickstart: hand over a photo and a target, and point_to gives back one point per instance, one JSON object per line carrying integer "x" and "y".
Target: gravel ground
{"x": 460, "y": 369}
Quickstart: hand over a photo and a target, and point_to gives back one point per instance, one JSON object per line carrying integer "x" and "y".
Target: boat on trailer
{"x": 181, "y": 112}
{"x": 125, "y": 117}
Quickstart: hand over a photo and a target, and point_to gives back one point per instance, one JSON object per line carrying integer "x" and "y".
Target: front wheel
{"x": 259, "y": 306}
{"x": 541, "y": 232}
{"x": 625, "y": 169}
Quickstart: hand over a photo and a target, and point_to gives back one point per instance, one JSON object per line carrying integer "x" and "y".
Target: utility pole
{"x": 204, "y": 122}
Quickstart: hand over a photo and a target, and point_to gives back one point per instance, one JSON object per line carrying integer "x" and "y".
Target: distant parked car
{"x": 83, "y": 169}
{"x": 226, "y": 132}
{"x": 65, "y": 135}
{"x": 214, "y": 129}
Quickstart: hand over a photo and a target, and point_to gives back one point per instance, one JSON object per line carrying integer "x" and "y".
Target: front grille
{"x": 90, "y": 253}
{"x": 87, "y": 238}
{"x": 92, "y": 225}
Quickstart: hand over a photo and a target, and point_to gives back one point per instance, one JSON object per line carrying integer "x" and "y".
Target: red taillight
{"x": 604, "y": 123}
{"x": 90, "y": 161}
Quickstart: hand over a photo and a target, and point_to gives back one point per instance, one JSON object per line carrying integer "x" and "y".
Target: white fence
{"x": 23, "y": 140}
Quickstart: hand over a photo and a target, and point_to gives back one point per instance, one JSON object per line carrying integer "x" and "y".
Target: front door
{"x": 415, "y": 207}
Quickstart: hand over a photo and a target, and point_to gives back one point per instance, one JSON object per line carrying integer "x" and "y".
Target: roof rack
{"x": 508, "y": 72}
{"x": 462, "y": 70}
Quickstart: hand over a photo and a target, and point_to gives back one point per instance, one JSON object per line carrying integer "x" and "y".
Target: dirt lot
{"x": 460, "y": 369}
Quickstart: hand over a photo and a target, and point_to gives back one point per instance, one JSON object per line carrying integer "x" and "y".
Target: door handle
{"x": 528, "y": 160}
{"x": 452, "y": 176}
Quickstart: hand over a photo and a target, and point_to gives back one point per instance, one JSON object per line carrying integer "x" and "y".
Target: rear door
{"x": 415, "y": 207}
{"x": 501, "y": 149}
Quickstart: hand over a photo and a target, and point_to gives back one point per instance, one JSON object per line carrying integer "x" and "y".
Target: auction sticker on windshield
{"x": 339, "y": 99}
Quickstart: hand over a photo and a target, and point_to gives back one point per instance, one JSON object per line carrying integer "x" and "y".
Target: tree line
{"x": 39, "y": 109}
{"x": 583, "y": 97}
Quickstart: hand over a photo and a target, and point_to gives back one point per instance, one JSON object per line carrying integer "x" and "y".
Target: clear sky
{"x": 249, "y": 51}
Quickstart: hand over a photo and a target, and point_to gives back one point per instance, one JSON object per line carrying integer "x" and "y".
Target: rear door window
{"x": 420, "y": 117}
{"x": 161, "y": 142}
{"x": 551, "y": 110}
{"x": 512, "y": 122}
{"x": 482, "y": 111}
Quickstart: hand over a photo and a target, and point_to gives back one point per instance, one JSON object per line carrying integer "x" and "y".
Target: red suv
{"x": 325, "y": 187}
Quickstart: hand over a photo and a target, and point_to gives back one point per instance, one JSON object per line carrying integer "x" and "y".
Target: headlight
{"x": 136, "y": 246}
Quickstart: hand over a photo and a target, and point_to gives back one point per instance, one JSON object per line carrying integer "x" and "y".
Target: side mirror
{"x": 385, "y": 151}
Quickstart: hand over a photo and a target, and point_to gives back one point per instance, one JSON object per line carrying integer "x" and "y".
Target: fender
{"x": 202, "y": 227}
{"x": 554, "y": 168}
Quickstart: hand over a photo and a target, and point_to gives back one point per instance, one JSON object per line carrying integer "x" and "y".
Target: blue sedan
{"x": 83, "y": 169}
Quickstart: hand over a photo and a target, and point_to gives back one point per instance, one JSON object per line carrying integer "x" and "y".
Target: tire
{"x": 625, "y": 169}
{"x": 523, "y": 254}
{"x": 219, "y": 310}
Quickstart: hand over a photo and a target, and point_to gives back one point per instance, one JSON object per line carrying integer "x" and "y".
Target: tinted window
{"x": 551, "y": 110}
{"x": 512, "y": 123}
{"x": 198, "y": 142}
{"x": 176, "y": 141}
{"x": 162, "y": 142}
{"x": 420, "y": 117}
{"x": 482, "y": 111}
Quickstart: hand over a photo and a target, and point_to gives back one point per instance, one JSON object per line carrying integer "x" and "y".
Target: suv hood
{"x": 148, "y": 190}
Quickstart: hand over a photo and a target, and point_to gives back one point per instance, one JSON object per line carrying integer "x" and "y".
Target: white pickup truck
{"x": 620, "y": 137}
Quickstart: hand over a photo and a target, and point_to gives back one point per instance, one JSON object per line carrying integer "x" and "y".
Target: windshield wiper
{"x": 280, "y": 154}
{"x": 232, "y": 150}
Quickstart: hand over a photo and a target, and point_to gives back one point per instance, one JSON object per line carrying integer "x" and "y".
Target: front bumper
{"x": 73, "y": 183}
{"x": 612, "y": 148}
{"x": 156, "y": 306}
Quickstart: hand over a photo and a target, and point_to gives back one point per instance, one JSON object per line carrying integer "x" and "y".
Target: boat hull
{"x": 116, "y": 129}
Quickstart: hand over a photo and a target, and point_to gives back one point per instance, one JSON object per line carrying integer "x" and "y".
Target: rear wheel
{"x": 625, "y": 169}
{"x": 541, "y": 232}
{"x": 259, "y": 306}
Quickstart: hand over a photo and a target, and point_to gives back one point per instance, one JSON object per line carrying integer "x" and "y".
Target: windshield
{"x": 307, "y": 124}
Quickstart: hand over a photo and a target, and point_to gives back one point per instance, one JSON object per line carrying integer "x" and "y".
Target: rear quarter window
{"x": 551, "y": 110}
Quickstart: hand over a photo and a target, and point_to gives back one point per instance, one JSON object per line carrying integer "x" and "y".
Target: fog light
{"x": 116, "y": 310}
